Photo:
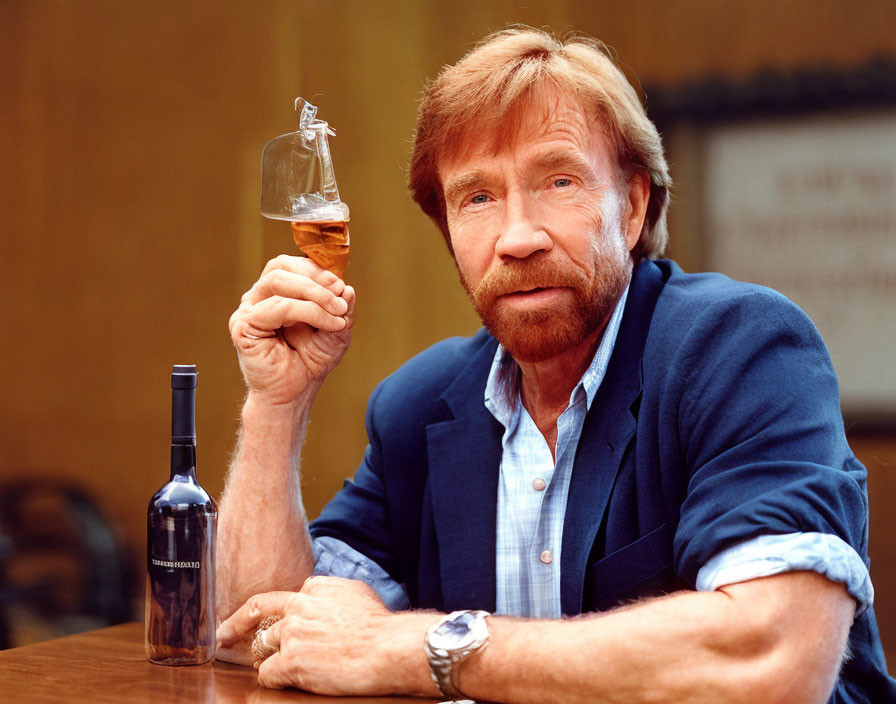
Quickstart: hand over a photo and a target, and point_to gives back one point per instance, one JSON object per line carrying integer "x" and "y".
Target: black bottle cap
{"x": 184, "y": 376}
{"x": 183, "y": 403}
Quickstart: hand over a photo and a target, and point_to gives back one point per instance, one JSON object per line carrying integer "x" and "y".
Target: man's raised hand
{"x": 292, "y": 328}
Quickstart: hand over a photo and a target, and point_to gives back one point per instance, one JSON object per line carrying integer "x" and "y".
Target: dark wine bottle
{"x": 180, "y": 546}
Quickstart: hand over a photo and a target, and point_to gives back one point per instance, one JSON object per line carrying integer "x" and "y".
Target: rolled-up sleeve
{"x": 766, "y": 555}
{"x": 334, "y": 558}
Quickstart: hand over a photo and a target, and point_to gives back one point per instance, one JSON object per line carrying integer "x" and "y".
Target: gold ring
{"x": 261, "y": 649}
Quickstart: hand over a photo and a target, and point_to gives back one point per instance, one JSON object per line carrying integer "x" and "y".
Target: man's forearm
{"x": 746, "y": 644}
{"x": 661, "y": 651}
{"x": 263, "y": 543}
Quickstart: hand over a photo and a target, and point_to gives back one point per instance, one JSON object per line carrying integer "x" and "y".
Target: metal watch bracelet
{"x": 443, "y": 662}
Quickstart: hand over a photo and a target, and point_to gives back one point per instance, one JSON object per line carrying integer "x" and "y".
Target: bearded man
{"x": 660, "y": 451}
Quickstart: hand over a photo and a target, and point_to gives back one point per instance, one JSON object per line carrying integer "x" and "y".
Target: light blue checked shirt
{"x": 532, "y": 493}
{"x": 532, "y": 486}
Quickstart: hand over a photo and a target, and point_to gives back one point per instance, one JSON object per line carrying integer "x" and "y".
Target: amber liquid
{"x": 324, "y": 242}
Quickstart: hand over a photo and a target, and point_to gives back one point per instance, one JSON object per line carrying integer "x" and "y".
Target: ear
{"x": 636, "y": 207}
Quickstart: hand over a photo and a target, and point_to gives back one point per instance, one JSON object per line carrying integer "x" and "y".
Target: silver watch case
{"x": 449, "y": 641}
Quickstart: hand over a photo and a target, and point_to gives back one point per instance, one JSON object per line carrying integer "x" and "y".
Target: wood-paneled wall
{"x": 130, "y": 142}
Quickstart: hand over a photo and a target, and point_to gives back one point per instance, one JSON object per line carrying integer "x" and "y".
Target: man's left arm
{"x": 775, "y": 639}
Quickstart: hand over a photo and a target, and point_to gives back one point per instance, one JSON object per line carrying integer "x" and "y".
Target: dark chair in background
{"x": 6, "y": 594}
{"x": 63, "y": 567}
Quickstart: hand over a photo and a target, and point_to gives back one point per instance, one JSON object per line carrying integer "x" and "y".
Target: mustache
{"x": 524, "y": 275}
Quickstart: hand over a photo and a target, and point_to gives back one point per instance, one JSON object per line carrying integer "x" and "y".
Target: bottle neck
{"x": 183, "y": 431}
{"x": 183, "y": 416}
{"x": 183, "y": 461}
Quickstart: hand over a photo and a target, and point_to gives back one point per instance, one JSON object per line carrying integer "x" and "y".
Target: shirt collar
{"x": 502, "y": 387}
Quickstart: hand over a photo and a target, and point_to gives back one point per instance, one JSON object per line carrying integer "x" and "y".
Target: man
{"x": 661, "y": 450}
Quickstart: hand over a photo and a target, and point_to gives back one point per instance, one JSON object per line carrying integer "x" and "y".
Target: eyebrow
{"x": 562, "y": 160}
{"x": 459, "y": 184}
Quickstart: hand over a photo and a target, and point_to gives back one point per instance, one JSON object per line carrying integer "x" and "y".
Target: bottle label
{"x": 176, "y": 564}
{"x": 179, "y": 543}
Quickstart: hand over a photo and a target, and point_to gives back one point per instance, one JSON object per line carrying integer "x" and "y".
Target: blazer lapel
{"x": 609, "y": 427}
{"x": 464, "y": 459}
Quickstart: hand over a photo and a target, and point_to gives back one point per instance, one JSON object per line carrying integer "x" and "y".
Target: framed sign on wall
{"x": 808, "y": 207}
{"x": 799, "y": 194}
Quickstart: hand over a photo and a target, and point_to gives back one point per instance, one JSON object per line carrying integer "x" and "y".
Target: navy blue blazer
{"x": 718, "y": 420}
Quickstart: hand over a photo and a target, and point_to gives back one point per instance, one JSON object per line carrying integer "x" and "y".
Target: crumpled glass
{"x": 298, "y": 185}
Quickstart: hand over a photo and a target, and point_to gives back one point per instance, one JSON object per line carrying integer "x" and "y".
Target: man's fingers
{"x": 307, "y": 267}
{"x": 272, "y": 635}
{"x": 261, "y": 319}
{"x": 280, "y": 282}
{"x": 274, "y": 673}
{"x": 244, "y": 621}
{"x": 348, "y": 296}
{"x": 236, "y": 655}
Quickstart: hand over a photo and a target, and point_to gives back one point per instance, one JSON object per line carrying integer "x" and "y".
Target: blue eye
{"x": 479, "y": 198}
{"x": 560, "y": 182}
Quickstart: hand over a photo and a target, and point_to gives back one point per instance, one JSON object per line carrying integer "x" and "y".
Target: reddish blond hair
{"x": 499, "y": 77}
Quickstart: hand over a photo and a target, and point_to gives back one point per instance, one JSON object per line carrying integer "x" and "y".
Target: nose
{"x": 522, "y": 234}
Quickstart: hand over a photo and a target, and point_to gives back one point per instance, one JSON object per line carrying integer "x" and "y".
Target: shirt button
{"x": 539, "y": 484}
{"x": 547, "y": 556}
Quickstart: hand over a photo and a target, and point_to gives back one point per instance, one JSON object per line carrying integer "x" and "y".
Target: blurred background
{"x": 130, "y": 144}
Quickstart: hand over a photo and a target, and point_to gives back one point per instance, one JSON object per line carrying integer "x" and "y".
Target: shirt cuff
{"x": 765, "y": 555}
{"x": 334, "y": 558}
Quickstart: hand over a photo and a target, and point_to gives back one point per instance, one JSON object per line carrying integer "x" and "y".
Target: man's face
{"x": 541, "y": 231}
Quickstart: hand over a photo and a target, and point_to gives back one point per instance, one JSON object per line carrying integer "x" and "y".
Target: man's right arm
{"x": 290, "y": 330}
{"x": 262, "y": 540}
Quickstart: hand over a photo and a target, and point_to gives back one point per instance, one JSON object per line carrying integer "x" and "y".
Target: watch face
{"x": 459, "y": 632}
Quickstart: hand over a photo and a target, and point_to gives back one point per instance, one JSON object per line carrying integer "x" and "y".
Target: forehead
{"x": 546, "y": 121}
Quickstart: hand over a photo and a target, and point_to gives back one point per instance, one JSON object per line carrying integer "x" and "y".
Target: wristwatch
{"x": 449, "y": 641}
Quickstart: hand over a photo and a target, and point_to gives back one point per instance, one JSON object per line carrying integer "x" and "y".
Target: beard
{"x": 541, "y": 333}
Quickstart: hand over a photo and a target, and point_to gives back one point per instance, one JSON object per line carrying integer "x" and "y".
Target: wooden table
{"x": 109, "y": 666}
